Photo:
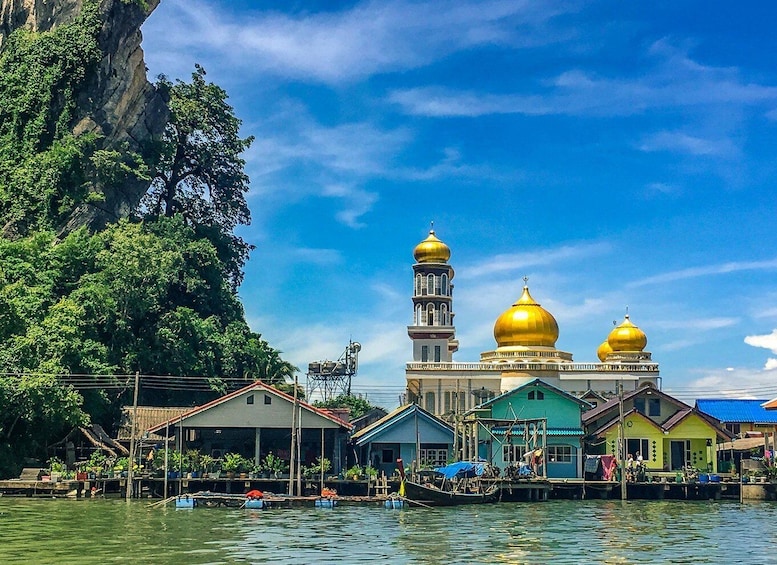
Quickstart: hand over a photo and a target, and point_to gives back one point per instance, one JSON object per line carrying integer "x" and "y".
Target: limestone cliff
{"x": 119, "y": 102}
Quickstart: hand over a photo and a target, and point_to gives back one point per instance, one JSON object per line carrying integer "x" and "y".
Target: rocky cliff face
{"x": 119, "y": 102}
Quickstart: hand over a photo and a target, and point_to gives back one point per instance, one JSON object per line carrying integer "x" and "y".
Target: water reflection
{"x": 559, "y": 532}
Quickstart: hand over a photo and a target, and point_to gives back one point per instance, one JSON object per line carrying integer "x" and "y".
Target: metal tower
{"x": 330, "y": 379}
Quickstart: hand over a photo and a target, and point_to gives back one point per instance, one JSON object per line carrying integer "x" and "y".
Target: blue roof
{"x": 737, "y": 411}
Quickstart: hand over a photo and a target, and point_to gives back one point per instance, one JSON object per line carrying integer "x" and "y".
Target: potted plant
{"x": 96, "y": 465}
{"x": 371, "y": 472}
{"x": 206, "y": 464}
{"x": 56, "y": 468}
{"x": 192, "y": 463}
{"x": 275, "y": 465}
{"x": 354, "y": 473}
{"x": 232, "y": 464}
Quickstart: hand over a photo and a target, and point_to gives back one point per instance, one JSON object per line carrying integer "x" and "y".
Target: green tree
{"x": 199, "y": 172}
{"x": 359, "y": 406}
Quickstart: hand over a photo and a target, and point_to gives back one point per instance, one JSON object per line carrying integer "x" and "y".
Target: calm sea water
{"x": 113, "y": 531}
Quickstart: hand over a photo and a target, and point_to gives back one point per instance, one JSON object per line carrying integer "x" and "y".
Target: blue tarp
{"x": 461, "y": 469}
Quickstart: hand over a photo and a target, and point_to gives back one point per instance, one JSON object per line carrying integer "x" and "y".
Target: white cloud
{"x": 771, "y": 364}
{"x": 337, "y": 46}
{"x": 681, "y": 142}
{"x": 674, "y": 81}
{"x": 356, "y": 201}
{"x": 506, "y": 263}
{"x": 768, "y": 341}
{"x": 698, "y": 324}
{"x": 694, "y": 272}
{"x": 726, "y": 383}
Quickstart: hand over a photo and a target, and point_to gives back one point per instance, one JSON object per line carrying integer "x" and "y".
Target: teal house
{"x": 534, "y": 417}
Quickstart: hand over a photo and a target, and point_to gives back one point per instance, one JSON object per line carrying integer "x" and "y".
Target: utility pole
{"x": 130, "y": 474}
{"x": 293, "y": 450}
{"x": 621, "y": 441}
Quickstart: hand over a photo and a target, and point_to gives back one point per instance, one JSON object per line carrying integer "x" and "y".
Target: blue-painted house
{"x": 399, "y": 434}
{"x": 525, "y": 419}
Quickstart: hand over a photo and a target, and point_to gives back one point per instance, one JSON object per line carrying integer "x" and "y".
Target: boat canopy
{"x": 462, "y": 469}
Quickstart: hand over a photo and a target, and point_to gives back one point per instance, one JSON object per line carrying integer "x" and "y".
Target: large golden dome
{"x": 526, "y": 323}
{"x": 603, "y": 350}
{"x": 627, "y": 337}
{"x": 432, "y": 250}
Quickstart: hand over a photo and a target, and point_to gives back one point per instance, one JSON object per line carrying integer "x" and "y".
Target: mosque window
{"x": 430, "y": 315}
{"x": 424, "y": 353}
{"x": 430, "y": 284}
{"x": 444, "y": 284}
{"x": 418, "y": 285}
{"x": 418, "y": 315}
{"x": 436, "y": 353}
{"x": 447, "y": 401}
{"x": 444, "y": 315}
{"x": 430, "y": 404}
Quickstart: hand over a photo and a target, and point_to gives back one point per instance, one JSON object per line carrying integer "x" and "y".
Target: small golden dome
{"x": 603, "y": 350}
{"x": 526, "y": 323}
{"x": 627, "y": 337}
{"x": 432, "y": 250}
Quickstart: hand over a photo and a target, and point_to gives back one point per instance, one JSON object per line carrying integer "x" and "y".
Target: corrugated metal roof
{"x": 737, "y": 411}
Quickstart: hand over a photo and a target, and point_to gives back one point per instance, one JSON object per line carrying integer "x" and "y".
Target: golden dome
{"x": 627, "y": 337}
{"x": 603, "y": 350}
{"x": 432, "y": 250}
{"x": 526, "y": 323}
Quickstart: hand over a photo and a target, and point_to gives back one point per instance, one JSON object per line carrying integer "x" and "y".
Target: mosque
{"x": 525, "y": 335}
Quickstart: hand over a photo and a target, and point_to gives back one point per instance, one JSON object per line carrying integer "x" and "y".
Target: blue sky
{"x": 616, "y": 153}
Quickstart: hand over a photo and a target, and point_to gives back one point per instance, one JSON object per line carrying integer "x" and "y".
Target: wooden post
{"x": 321, "y": 485}
{"x": 167, "y": 449}
{"x": 130, "y": 474}
{"x": 293, "y": 448}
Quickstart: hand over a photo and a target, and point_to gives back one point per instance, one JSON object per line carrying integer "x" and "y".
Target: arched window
{"x": 444, "y": 315}
{"x": 430, "y": 284}
{"x": 430, "y": 405}
{"x": 430, "y": 315}
{"x": 444, "y": 284}
{"x": 418, "y": 315}
{"x": 418, "y": 285}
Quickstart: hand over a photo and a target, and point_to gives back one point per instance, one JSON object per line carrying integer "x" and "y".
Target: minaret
{"x": 432, "y": 330}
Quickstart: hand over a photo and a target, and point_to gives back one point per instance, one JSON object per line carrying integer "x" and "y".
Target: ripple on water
{"x": 558, "y": 532}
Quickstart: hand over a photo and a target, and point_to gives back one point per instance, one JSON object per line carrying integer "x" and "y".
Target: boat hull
{"x": 431, "y": 496}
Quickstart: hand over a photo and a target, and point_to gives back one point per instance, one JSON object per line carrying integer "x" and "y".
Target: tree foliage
{"x": 358, "y": 406}
{"x": 199, "y": 172}
{"x": 155, "y": 294}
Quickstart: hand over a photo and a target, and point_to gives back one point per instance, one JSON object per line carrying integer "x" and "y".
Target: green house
{"x": 528, "y": 418}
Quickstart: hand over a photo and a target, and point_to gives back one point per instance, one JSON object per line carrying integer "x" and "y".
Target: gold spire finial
{"x": 525, "y": 280}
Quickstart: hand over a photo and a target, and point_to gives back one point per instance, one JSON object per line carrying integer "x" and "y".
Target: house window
{"x": 639, "y": 405}
{"x": 513, "y": 453}
{"x": 530, "y": 396}
{"x": 424, "y": 353}
{"x": 640, "y": 446}
{"x": 250, "y": 399}
{"x": 734, "y": 428}
{"x": 654, "y": 407}
{"x": 560, "y": 454}
{"x": 539, "y": 395}
{"x": 436, "y": 353}
{"x": 267, "y": 399}
{"x": 387, "y": 456}
{"x": 434, "y": 457}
